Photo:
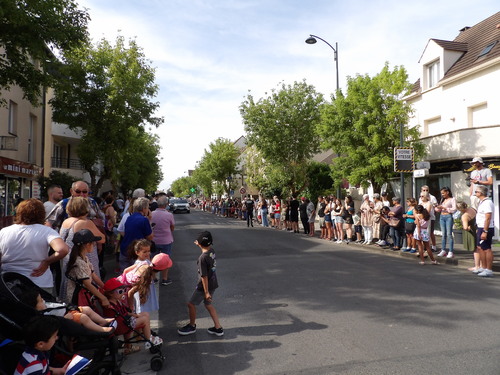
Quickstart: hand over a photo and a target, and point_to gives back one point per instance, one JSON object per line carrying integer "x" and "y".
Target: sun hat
{"x": 85, "y": 236}
{"x": 161, "y": 262}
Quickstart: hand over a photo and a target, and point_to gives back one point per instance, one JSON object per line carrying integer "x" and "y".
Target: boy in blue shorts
{"x": 207, "y": 283}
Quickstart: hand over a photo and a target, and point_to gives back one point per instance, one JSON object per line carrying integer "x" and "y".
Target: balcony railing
{"x": 66, "y": 163}
{"x": 8, "y": 143}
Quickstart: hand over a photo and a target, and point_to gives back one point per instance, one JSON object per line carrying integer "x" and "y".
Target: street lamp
{"x": 312, "y": 40}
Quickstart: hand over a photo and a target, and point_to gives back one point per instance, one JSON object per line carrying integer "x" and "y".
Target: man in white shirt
{"x": 485, "y": 231}
{"x": 55, "y": 194}
{"x": 479, "y": 176}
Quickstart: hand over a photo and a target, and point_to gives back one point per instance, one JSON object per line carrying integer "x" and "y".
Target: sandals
{"x": 131, "y": 349}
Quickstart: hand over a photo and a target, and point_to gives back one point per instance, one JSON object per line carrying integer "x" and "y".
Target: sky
{"x": 210, "y": 54}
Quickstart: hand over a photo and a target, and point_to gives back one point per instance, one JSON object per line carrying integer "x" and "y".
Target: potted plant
{"x": 457, "y": 228}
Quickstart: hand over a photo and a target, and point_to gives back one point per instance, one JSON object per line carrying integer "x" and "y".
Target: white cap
{"x": 477, "y": 160}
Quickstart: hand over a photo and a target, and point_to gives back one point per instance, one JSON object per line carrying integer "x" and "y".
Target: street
{"x": 294, "y": 305}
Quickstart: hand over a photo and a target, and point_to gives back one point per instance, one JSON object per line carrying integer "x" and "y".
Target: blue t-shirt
{"x": 136, "y": 228}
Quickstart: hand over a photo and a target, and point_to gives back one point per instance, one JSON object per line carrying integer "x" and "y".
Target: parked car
{"x": 179, "y": 205}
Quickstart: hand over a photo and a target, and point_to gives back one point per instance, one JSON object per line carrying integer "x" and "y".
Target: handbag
{"x": 393, "y": 222}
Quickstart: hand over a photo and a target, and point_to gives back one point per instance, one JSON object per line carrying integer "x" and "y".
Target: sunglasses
{"x": 81, "y": 191}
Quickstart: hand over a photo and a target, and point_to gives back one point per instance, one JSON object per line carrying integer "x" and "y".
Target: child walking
{"x": 207, "y": 283}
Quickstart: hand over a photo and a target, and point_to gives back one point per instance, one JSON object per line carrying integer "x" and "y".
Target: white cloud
{"x": 209, "y": 54}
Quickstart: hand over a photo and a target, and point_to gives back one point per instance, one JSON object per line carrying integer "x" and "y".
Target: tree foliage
{"x": 282, "y": 126}
{"x": 31, "y": 31}
{"x": 107, "y": 93}
{"x": 182, "y": 186}
{"x": 219, "y": 164}
{"x": 363, "y": 127}
{"x": 63, "y": 179}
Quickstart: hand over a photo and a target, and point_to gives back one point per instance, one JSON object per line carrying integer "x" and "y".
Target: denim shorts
{"x": 166, "y": 249}
{"x": 339, "y": 220}
{"x": 328, "y": 218}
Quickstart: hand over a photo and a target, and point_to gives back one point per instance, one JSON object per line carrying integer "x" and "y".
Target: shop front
{"x": 17, "y": 181}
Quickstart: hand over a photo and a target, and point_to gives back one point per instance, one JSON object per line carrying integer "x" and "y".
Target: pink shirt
{"x": 162, "y": 235}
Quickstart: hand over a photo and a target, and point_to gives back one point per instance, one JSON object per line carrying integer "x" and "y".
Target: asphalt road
{"x": 294, "y": 305}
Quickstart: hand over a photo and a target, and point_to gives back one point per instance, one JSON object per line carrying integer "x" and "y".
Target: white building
{"x": 457, "y": 107}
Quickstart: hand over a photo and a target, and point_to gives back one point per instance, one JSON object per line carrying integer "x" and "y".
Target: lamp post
{"x": 313, "y": 39}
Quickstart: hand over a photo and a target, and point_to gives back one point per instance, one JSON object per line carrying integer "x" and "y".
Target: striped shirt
{"x": 33, "y": 362}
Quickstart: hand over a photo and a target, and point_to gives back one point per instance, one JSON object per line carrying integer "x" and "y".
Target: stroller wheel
{"x": 155, "y": 349}
{"x": 156, "y": 363}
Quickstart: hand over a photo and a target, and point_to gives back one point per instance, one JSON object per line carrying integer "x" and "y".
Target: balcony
{"x": 65, "y": 163}
{"x": 8, "y": 143}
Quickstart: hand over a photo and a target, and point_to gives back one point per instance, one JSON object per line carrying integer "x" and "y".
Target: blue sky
{"x": 209, "y": 54}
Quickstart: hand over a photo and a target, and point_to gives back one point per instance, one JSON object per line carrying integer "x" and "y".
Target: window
{"x": 433, "y": 74}
{"x": 478, "y": 115}
{"x": 12, "y": 117}
{"x": 488, "y": 48}
{"x": 433, "y": 126}
{"x": 32, "y": 139}
{"x": 57, "y": 156}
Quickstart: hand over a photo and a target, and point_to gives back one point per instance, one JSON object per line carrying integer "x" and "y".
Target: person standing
{"x": 485, "y": 231}
{"x": 250, "y": 205}
{"x": 424, "y": 191}
{"x": 136, "y": 228}
{"x": 55, "y": 195}
{"x": 163, "y": 224}
{"x": 447, "y": 208}
{"x": 205, "y": 289}
{"x": 479, "y": 176}
{"x": 294, "y": 214}
{"x": 311, "y": 215}
{"x": 321, "y": 216}
{"x": 367, "y": 219}
{"x": 469, "y": 231}
{"x": 303, "y": 214}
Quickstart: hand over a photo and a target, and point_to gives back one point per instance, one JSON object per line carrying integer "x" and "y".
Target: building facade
{"x": 457, "y": 108}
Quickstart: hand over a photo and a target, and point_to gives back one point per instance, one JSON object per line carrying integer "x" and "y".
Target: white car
{"x": 179, "y": 205}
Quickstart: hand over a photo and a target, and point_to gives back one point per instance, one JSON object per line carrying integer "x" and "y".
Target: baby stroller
{"x": 125, "y": 324}
{"x": 101, "y": 347}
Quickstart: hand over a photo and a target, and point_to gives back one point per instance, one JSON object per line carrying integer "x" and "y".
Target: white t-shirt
{"x": 485, "y": 206}
{"x": 481, "y": 175}
{"x": 48, "y": 207}
{"x": 22, "y": 249}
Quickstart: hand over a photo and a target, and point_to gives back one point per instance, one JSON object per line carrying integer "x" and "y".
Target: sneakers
{"x": 382, "y": 243}
{"x": 413, "y": 251}
{"x": 153, "y": 341}
{"x": 486, "y": 273}
{"x": 478, "y": 270}
{"x": 339, "y": 241}
{"x": 216, "y": 331}
{"x": 166, "y": 282}
{"x": 435, "y": 262}
{"x": 442, "y": 253}
{"x": 450, "y": 255}
{"x": 188, "y": 329}
{"x": 406, "y": 250}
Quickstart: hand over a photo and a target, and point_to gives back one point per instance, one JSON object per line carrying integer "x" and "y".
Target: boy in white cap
{"x": 479, "y": 176}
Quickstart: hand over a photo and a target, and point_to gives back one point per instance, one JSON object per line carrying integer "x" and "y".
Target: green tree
{"x": 182, "y": 186}
{"x": 203, "y": 181}
{"x": 107, "y": 95}
{"x": 220, "y": 163}
{"x": 29, "y": 31}
{"x": 320, "y": 180}
{"x": 141, "y": 166}
{"x": 282, "y": 126}
{"x": 63, "y": 179}
{"x": 363, "y": 127}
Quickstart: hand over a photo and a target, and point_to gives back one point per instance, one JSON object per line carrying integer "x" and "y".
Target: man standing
{"x": 250, "y": 205}
{"x": 58, "y": 214}
{"x": 485, "y": 231}
{"x": 479, "y": 176}
{"x": 55, "y": 195}
{"x": 163, "y": 224}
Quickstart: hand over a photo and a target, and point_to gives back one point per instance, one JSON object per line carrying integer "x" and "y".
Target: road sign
{"x": 422, "y": 165}
{"x": 243, "y": 190}
{"x": 403, "y": 159}
{"x": 420, "y": 172}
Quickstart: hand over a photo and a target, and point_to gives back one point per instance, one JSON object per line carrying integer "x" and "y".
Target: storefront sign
{"x": 19, "y": 168}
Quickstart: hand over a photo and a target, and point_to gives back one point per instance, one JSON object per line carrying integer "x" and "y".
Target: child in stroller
{"x": 14, "y": 314}
{"x": 127, "y": 321}
{"x": 83, "y": 315}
